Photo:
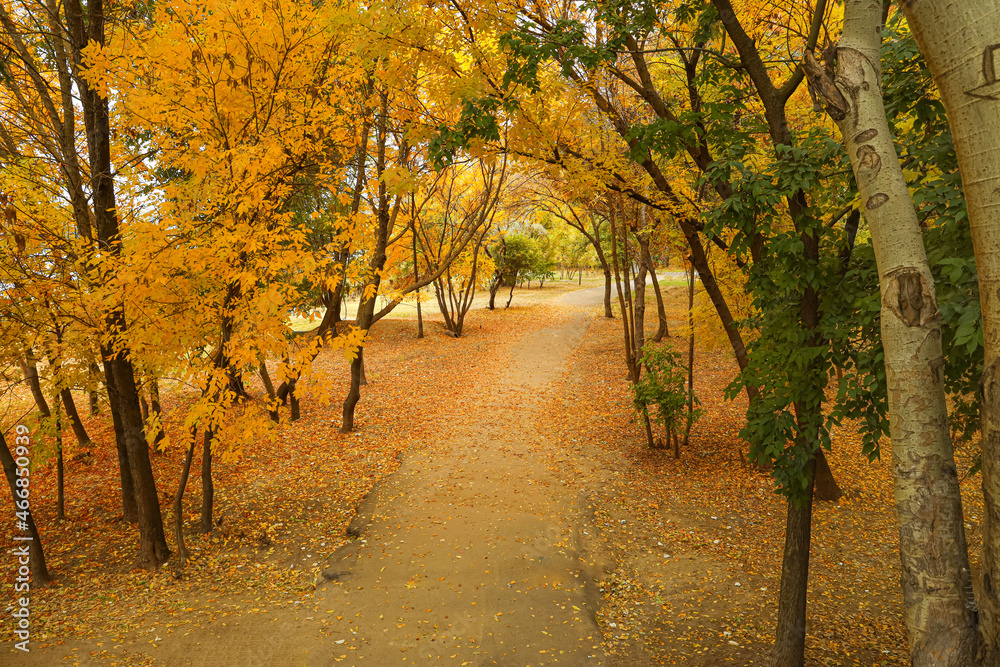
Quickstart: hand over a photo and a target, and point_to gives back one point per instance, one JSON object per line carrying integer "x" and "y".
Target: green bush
{"x": 663, "y": 388}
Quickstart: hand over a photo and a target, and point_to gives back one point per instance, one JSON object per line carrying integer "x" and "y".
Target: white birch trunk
{"x": 939, "y": 610}
{"x": 961, "y": 42}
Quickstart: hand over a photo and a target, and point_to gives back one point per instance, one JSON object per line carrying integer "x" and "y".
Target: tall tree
{"x": 936, "y": 578}
{"x": 959, "y": 42}
{"x": 51, "y": 72}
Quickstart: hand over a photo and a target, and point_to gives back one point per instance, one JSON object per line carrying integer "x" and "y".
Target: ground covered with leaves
{"x": 695, "y": 543}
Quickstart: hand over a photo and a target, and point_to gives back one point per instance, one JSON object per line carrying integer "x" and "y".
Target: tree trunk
{"x": 294, "y": 408}
{"x": 265, "y": 378}
{"x": 420, "y": 316}
{"x": 939, "y": 610}
{"x": 156, "y": 409}
{"x": 649, "y": 427}
{"x": 624, "y": 297}
{"x": 607, "y": 274}
{"x": 30, "y": 369}
{"x": 182, "y": 552}
{"x": 337, "y": 304}
{"x": 826, "y": 489}
{"x": 700, "y": 262}
{"x": 36, "y": 555}
{"x": 130, "y": 509}
{"x": 790, "y": 636}
{"x": 354, "y": 394}
{"x": 416, "y": 278}
{"x": 639, "y": 320}
{"x": 494, "y": 288}
{"x": 153, "y": 549}
{"x": 632, "y": 360}
{"x": 95, "y": 404}
{"x": 82, "y": 438}
{"x": 961, "y": 43}
{"x": 607, "y": 294}
{"x": 207, "y": 487}
{"x": 690, "y": 382}
{"x": 118, "y": 366}
{"x": 661, "y": 312}
{"x": 60, "y": 476}
{"x": 511, "y": 296}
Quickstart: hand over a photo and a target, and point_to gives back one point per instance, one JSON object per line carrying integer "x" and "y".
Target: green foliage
{"x": 522, "y": 258}
{"x": 663, "y": 387}
{"x": 789, "y": 363}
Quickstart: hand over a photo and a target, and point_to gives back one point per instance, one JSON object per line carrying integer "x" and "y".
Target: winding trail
{"x": 471, "y": 553}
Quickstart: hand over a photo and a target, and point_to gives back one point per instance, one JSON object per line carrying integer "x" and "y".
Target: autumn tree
{"x": 467, "y": 198}
{"x": 47, "y": 69}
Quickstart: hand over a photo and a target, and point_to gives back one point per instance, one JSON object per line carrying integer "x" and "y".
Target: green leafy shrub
{"x": 663, "y": 388}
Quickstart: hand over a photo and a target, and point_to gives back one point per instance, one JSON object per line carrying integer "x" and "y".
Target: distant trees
{"x": 516, "y": 257}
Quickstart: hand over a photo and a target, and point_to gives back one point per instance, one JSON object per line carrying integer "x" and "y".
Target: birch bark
{"x": 961, "y": 43}
{"x": 939, "y": 608}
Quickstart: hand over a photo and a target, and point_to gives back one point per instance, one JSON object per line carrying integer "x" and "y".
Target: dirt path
{"x": 472, "y": 553}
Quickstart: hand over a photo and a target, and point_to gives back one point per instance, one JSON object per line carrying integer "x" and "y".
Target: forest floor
{"x": 508, "y": 513}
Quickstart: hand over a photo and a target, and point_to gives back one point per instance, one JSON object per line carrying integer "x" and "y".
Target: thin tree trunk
{"x": 82, "y": 438}
{"x": 416, "y": 278}
{"x": 420, "y": 316}
{"x": 511, "y": 297}
{"x": 94, "y": 399}
{"x": 338, "y": 305}
{"x": 939, "y": 610}
{"x": 353, "y": 395}
{"x": 182, "y": 552}
{"x": 30, "y": 369}
{"x": 661, "y": 312}
{"x": 294, "y": 407}
{"x": 700, "y": 261}
{"x": 639, "y": 307}
{"x": 624, "y": 298}
{"x": 153, "y": 549}
{"x": 633, "y": 358}
{"x": 607, "y": 274}
{"x": 649, "y": 427}
{"x": 60, "y": 476}
{"x": 608, "y": 312}
{"x": 494, "y": 288}
{"x": 207, "y": 486}
{"x": 156, "y": 409}
{"x": 36, "y": 555}
{"x": 690, "y": 383}
{"x": 265, "y": 378}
